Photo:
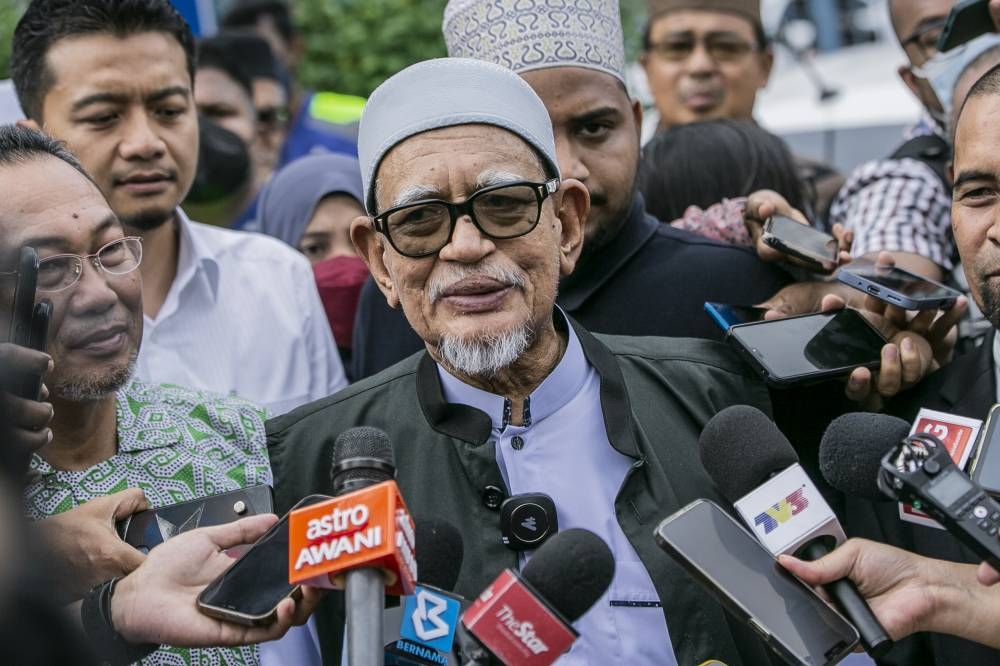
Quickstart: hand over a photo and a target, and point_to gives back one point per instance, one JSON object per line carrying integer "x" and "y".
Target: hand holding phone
{"x": 249, "y": 592}
{"x": 808, "y": 348}
{"x": 748, "y": 581}
{"x": 817, "y": 249}
{"x": 897, "y": 286}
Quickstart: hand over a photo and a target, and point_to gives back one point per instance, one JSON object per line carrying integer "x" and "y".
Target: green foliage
{"x": 10, "y": 12}
{"x": 354, "y": 45}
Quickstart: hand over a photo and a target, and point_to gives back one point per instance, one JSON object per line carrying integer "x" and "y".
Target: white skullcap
{"x": 523, "y": 35}
{"x": 443, "y": 93}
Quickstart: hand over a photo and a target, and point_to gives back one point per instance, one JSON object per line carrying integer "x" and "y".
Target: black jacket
{"x": 656, "y": 396}
{"x": 965, "y": 387}
{"x": 651, "y": 279}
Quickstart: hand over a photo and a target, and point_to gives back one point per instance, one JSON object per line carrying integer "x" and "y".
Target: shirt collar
{"x": 576, "y": 288}
{"x": 195, "y": 260}
{"x": 557, "y": 389}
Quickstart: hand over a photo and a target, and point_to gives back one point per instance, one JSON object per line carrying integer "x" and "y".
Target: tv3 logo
{"x": 782, "y": 511}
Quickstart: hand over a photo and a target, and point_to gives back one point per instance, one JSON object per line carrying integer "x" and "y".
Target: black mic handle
{"x": 470, "y": 651}
{"x": 874, "y": 638}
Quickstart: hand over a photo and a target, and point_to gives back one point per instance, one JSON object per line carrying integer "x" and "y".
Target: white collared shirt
{"x": 242, "y": 317}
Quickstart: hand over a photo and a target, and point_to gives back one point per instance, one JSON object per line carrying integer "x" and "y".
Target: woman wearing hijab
{"x": 310, "y": 205}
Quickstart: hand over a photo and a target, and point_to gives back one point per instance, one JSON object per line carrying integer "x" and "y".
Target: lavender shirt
{"x": 563, "y": 451}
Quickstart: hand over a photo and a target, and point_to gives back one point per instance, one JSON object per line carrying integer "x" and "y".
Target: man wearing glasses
{"x": 117, "y": 445}
{"x": 473, "y": 222}
{"x": 706, "y": 60}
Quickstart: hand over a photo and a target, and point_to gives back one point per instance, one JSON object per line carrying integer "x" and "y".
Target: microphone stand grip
{"x": 874, "y": 638}
{"x": 365, "y": 590}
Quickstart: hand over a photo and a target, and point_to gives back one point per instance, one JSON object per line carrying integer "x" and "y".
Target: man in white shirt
{"x": 225, "y": 311}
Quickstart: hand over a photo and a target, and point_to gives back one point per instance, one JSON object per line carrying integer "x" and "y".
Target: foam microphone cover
{"x": 439, "y": 553}
{"x": 851, "y": 451}
{"x": 361, "y": 442}
{"x": 741, "y": 448}
{"x": 571, "y": 571}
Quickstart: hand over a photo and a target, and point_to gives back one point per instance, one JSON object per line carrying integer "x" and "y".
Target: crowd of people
{"x": 482, "y": 260}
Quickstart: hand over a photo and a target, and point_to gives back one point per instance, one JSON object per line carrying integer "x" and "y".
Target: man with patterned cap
{"x": 472, "y": 224}
{"x": 706, "y": 60}
{"x": 635, "y": 276}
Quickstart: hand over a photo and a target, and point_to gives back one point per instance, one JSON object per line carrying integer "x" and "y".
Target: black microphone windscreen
{"x": 439, "y": 553}
{"x": 361, "y": 442}
{"x": 741, "y": 448}
{"x": 571, "y": 571}
{"x": 851, "y": 451}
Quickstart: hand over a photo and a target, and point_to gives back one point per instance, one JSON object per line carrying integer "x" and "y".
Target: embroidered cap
{"x": 443, "y": 93}
{"x": 523, "y": 35}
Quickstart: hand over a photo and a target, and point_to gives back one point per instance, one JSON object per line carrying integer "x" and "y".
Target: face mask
{"x": 943, "y": 70}
{"x": 339, "y": 281}
{"x": 223, "y": 164}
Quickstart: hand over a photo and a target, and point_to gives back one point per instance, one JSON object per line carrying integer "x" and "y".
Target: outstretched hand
{"x": 157, "y": 602}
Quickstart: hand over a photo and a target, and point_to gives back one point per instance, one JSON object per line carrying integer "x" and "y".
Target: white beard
{"x": 487, "y": 354}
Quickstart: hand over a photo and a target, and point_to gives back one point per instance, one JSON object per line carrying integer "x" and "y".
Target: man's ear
{"x": 910, "y": 80}
{"x": 766, "y": 64}
{"x": 949, "y": 171}
{"x": 27, "y": 123}
{"x": 368, "y": 243}
{"x": 573, "y": 206}
{"x": 637, "y": 114}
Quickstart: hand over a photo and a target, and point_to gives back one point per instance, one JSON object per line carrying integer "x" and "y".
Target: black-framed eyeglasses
{"x": 61, "y": 271}
{"x": 720, "y": 48}
{"x": 926, "y": 38}
{"x": 503, "y": 211}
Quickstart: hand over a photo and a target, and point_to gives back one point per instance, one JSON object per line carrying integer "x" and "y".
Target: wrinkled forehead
{"x": 49, "y": 205}
{"x": 468, "y": 155}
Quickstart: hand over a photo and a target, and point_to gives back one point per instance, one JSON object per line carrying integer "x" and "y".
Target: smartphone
{"x": 799, "y": 240}
{"x": 808, "y": 348}
{"x": 29, "y": 385}
{"x": 897, "y": 286}
{"x": 747, "y": 580}
{"x": 727, "y": 316}
{"x": 967, "y": 20}
{"x": 249, "y": 592}
{"x": 146, "y": 530}
{"x": 985, "y": 466}
{"x": 24, "y": 297}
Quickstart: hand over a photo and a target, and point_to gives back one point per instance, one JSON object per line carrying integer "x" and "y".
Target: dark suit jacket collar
{"x": 474, "y": 426}
{"x": 575, "y": 289}
{"x": 971, "y": 381}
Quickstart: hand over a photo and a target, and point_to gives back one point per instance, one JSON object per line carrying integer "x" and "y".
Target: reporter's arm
{"x": 910, "y": 593}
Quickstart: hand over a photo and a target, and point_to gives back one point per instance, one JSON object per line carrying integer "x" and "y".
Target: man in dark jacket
{"x": 472, "y": 227}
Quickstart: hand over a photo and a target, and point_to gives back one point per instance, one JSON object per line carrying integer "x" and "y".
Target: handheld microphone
{"x": 525, "y": 618}
{"x": 852, "y": 448}
{"x": 361, "y": 540}
{"x": 754, "y": 467}
{"x": 429, "y": 617}
{"x": 919, "y": 469}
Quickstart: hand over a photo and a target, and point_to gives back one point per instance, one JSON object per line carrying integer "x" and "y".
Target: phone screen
{"x": 902, "y": 282}
{"x": 804, "y": 238}
{"x": 987, "y": 471}
{"x": 812, "y": 344}
{"x": 726, "y": 315}
{"x": 730, "y": 561}
{"x": 258, "y": 581}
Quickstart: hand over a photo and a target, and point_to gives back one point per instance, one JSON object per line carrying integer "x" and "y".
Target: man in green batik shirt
{"x": 114, "y": 446}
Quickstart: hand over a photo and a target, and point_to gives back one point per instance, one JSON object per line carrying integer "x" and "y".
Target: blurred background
{"x": 834, "y": 94}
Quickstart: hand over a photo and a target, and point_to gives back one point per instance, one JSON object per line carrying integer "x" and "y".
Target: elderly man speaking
{"x": 471, "y": 227}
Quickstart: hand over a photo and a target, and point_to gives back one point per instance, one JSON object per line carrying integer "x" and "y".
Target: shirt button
{"x": 517, "y": 442}
{"x": 492, "y": 497}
